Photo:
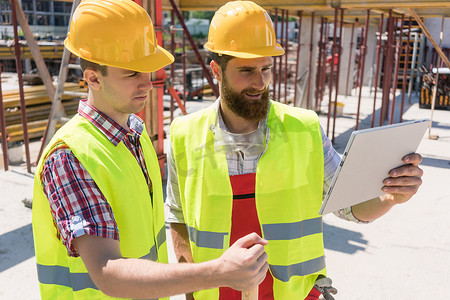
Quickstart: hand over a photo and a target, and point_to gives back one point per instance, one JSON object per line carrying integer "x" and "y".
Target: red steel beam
{"x": 333, "y": 48}
{"x": 387, "y": 76}
{"x": 324, "y": 64}
{"x": 319, "y": 66}
{"x": 286, "y": 49}
{"x": 339, "y": 52}
{"x": 377, "y": 68}
{"x": 405, "y": 70}
{"x": 397, "y": 64}
{"x": 275, "y": 74}
{"x": 280, "y": 58}
{"x": 363, "y": 52}
{"x": 183, "y": 58}
{"x": 22, "y": 97}
{"x": 308, "y": 89}
{"x": 160, "y": 91}
{"x": 3, "y": 127}
{"x": 300, "y": 14}
{"x": 172, "y": 66}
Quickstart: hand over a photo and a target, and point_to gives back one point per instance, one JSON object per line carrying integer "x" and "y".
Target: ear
{"x": 92, "y": 78}
{"x": 216, "y": 70}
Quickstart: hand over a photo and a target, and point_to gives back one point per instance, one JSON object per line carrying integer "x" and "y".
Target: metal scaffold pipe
{"x": 339, "y": 52}
{"x": 22, "y": 97}
{"x": 377, "y": 68}
{"x": 363, "y": 52}
{"x": 300, "y": 14}
{"x": 3, "y": 127}
{"x": 308, "y": 93}
{"x": 405, "y": 69}
{"x": 333, "y": 50}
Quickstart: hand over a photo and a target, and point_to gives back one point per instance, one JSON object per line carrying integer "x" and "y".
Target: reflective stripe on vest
{"x": 206, "y": 239}
{"x": 284, "y": 273}
{"x": 61, "y": 276}
{"x": 289, "y": 231}
{"x": 160, "y": 239}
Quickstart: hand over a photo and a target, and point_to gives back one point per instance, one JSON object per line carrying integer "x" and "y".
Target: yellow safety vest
{"x": 288, "y": 195}
{"x": 119, "y": 176}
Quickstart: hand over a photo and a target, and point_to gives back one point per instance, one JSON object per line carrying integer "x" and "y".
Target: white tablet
{"x": 368, "y": 157}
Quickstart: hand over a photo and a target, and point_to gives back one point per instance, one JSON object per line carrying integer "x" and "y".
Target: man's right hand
{"x": 244, "y": 265}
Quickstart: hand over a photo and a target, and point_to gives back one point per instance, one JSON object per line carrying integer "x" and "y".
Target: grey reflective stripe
{"x": 284, "y": 273}
{"x": 206, "y": 239}
{"x": 61, "y": 276}
{"x": 161, "y": 237}
{"x": 290, "y": 231}
{"x": 152, "y": 255}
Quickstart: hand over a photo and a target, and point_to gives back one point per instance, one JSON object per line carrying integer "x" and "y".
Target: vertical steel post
{"x": 22, "y": 97}
{"x": 308, "y": 89}
{"x": 172, "y": 66}
{"x": 339, "y": 51}
{"x": 286, "y": 49}
{"x": 435, "y": 88}
{"x": 363, "y": 51}
{"x": 377, "y": 68}
{"x": 387, "y": 76}
{"x": 275, "y": 73}
{"x": 413, "y": 63}
{"x": 319, "y": 65}
{"x": 324, "y": 64}
{"x": 333, "y": 48}
{"x": 280, "y": 59}
{"x": 300, "y": 13}
{"x": 397, "y": 64}
{"x": 3, "y": 127}
{"x": 184, "y": 65}
{"x": 405, "y": 69}
{"x": 160, "y": 92}
{"x": 350, "y": 60}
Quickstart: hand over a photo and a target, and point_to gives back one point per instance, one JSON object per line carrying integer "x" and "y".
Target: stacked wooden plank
{"x": 38, "y": 106}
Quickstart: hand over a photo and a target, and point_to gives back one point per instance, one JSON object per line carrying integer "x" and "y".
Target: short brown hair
{"x": 221, "y": 59}
{"x": 89, "y": 64}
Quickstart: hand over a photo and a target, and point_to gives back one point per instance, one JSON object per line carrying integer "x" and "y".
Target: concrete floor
{"x": 404, "y": 255}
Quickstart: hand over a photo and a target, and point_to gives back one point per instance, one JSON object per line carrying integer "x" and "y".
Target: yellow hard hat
{"x": 116, "y": 33}
{"x": 243, "y": 29}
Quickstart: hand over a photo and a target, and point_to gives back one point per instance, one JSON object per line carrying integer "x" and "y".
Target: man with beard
{"x": 249, "y": 164}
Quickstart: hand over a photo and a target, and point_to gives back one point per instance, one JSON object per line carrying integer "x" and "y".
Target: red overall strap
{"x": 244, "y": 220}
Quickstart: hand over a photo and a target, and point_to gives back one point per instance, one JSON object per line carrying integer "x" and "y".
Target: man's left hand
{"x": 404, "y": 181}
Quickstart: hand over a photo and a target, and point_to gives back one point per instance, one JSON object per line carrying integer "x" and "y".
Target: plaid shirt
{"x": 77, "y": 204}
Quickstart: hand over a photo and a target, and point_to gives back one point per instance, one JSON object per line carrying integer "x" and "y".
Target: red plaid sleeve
{"x": 77, "y": 204}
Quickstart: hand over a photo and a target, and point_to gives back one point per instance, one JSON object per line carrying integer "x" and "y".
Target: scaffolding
{"x": 312, "y": 80}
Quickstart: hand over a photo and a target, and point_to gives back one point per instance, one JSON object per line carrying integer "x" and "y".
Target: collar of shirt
{"x": 111, "y": 129}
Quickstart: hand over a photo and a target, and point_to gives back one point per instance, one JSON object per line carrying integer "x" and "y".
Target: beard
{"x": 238, "y": 103}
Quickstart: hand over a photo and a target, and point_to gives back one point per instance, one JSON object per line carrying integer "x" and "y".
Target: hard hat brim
{"x": 147, "y": 64}
{"x": 250, "y": 53}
